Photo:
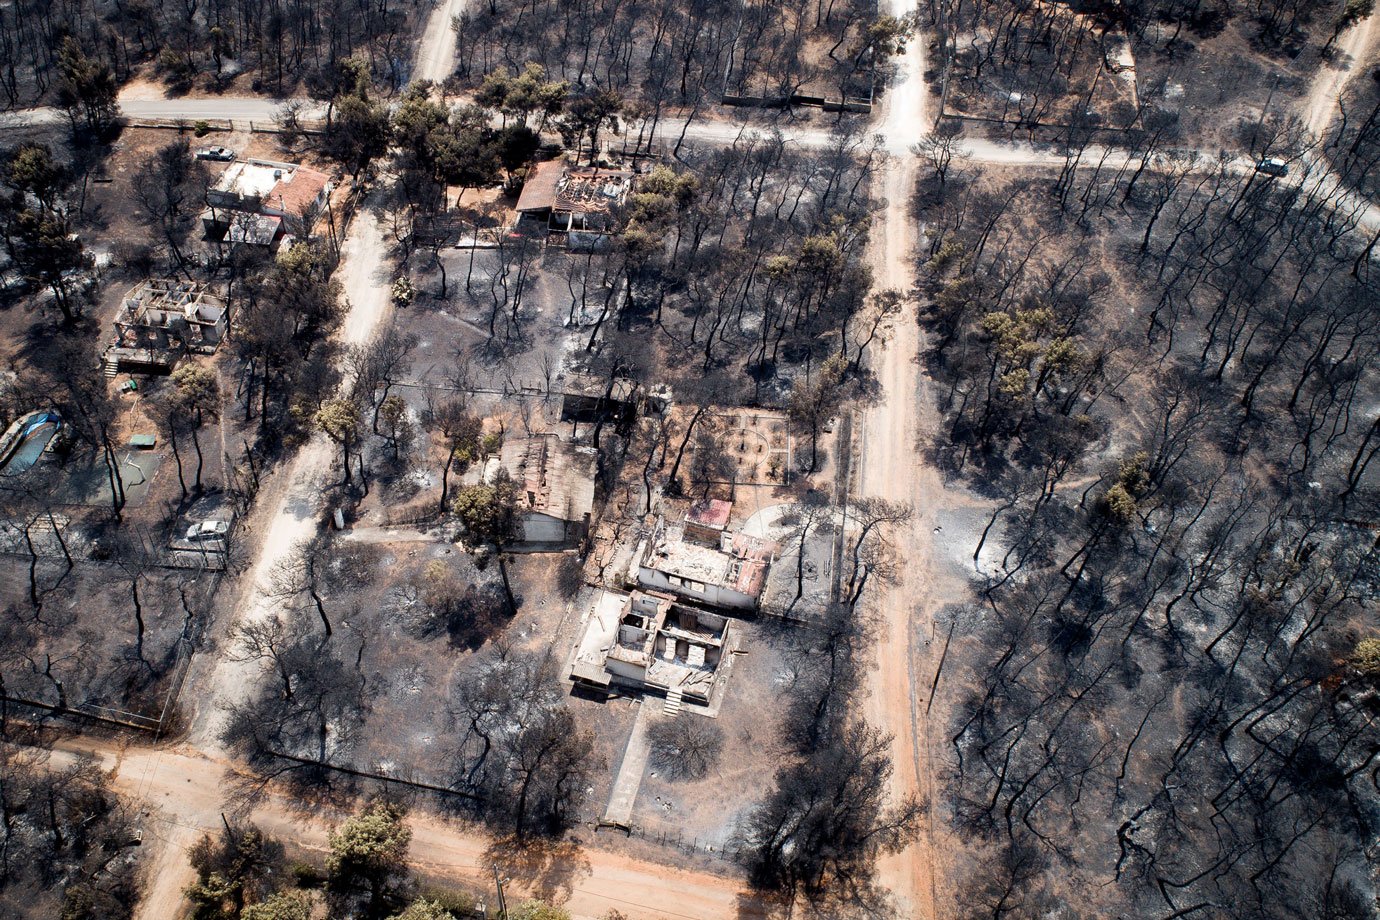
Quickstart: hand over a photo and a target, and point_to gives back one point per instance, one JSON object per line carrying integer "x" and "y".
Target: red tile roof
{"x": 295, "y": 193}
{"x": 712, "y": 513}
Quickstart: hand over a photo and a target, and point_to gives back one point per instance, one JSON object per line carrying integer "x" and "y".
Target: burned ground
{"x": 667, "y": 55}
{"x": 1352, "y": 142}
{"x": 198, "y": 49}
{"x": 108, "y": 639}
{"x": 1160, "y": 393}
{"x": 71, "y": 846}
{"x": 743, "y": 259}
{"x": 1209, "y": 74}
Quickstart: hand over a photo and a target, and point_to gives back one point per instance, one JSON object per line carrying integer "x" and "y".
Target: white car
{"x": 208, "y": 530}
{"x": 221, "y": 154}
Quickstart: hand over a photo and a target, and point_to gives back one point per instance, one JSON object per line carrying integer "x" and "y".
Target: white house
{"x": 730, "y": 574}
{"x": 255, "y": 201}
{"x": 647, "y": 641}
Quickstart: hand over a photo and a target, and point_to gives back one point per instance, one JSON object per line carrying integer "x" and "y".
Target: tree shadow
{"x": 478, "y": 615}
{"x": 547, "y": 868}
{"x": 847, "y": 899}
{"x": 503, "y": 345}
{"x": 309, "y": 794}
{"x": 761, "y": 905}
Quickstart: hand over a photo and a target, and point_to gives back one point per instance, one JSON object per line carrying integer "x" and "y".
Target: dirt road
{"x": 184, "y": 795}
{"x": 893, "y": 467}
{"x": 290, "y": 512}
{"x": 295, "y": 512}
{"x": 436, "y": 54}
{"x": 1320, "y": 105}
{"x": 894, "y": 428}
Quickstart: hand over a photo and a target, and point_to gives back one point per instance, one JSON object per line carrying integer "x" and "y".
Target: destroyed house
{"x": 589, "y": 400}
{"x": 253, "y": 229}
{"x": 647, "y": 641}
{"x": 578, "y": 204}
{"x": 555, "y": 486}
{"x": 161, "y": 320}
{"x": 730, "y": 572}
{"x": 706, "y": 521}
{"x": 257, "y": 201}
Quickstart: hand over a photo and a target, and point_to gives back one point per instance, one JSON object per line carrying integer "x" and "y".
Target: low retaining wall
{"x": 860, "y": 106}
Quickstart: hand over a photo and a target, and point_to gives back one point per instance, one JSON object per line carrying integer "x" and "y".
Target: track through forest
{"x": 894, "y": 467}
{"x": 1354, "y": 49}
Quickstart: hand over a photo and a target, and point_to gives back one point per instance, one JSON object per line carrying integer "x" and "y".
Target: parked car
{"x": 1272, "y": 166}
{"x": 208, "y": 530}
{"x": 221, "y": 154}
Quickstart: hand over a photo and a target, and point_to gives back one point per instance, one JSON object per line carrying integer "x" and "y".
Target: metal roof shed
{"x": 541, "y": 186}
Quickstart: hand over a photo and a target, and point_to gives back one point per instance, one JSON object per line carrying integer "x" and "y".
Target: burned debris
{"x": 161, "y": 321}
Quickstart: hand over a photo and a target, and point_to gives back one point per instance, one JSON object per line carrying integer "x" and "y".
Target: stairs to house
{"x": 110, "y": 366}
{"x": 674, "y": 698}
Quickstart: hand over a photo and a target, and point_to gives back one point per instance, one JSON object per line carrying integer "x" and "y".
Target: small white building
{"x": 254, "y": 201}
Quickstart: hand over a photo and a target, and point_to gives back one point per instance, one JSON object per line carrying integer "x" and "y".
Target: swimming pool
{"x": 23, "y": 443}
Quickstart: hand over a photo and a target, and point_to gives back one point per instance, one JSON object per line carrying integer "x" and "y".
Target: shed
{"x": 540, "y": 187}
{"x": 707, "y": 520}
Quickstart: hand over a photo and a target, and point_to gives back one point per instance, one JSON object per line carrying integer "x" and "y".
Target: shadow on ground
{"x": 548, "y": 868}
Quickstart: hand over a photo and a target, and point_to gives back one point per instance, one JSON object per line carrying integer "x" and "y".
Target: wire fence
{"x": 185, "y": 646}
{"x": 675, "y": 837}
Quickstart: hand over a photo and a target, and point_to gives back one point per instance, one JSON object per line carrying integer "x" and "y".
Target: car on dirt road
{"x": 219, "y": 154}
{"x": 208, "y": 530}
{"x": 1272, "y": 166}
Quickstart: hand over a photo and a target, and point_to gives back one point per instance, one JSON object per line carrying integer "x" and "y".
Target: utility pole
{"x": 502, "y": 901}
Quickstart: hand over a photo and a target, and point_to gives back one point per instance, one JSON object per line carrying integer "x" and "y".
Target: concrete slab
{"x": 629, "y": 778}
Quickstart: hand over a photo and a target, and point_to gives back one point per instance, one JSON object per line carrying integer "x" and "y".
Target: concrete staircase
{"x": 674, "y": 698}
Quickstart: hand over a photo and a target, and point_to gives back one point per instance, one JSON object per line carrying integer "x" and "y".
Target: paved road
{"x": 630, "y": 770}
